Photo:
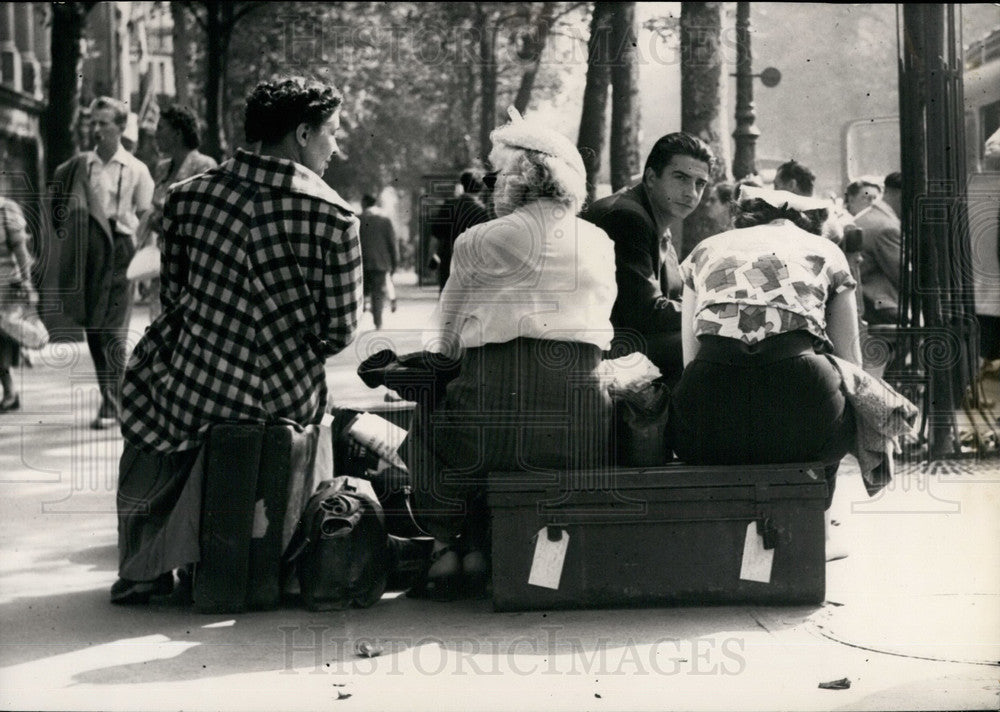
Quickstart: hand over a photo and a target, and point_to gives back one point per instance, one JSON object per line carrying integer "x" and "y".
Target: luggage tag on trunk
{"x": 550, "y": 554}
{"x": 757, "y": 560}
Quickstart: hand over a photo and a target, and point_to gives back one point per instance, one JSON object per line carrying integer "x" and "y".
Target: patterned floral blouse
{"x": 771, "y": 279}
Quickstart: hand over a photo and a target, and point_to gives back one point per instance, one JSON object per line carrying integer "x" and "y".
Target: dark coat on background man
{"x": 452, "y": 219}
{"x": 77, "y": 216}
{"x": 379, "y": 251}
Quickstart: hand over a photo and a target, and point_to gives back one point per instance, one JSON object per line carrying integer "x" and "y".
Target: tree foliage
{"x": 419, "y": 92}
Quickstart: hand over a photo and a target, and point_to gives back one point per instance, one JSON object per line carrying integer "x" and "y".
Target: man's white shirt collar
{"x": 121, "y": 156}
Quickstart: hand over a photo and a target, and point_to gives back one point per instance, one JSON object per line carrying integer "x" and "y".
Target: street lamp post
{"x": 746, "y": 133}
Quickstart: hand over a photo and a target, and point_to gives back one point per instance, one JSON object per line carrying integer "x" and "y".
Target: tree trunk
{"x": 595, "y": 94}
{"x": 181, "y": 54}
{"x": 216, "y": 46}
{"x": 624, "y": 96}
{"x": 487, "y": 81}
{"x": 537, "y": 49}
{"x": 701, "y": 103}
{"x": 63, "y": 110}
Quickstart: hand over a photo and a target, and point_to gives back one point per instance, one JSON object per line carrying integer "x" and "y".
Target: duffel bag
{"x": 339, "y": 550}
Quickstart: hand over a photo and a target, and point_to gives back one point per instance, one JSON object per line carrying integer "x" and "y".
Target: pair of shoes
{"x": 9, "y": 404}
{"x": 443, "y": 587}
{"x": 101, "y": 423}
{"x": 126, "y": 592}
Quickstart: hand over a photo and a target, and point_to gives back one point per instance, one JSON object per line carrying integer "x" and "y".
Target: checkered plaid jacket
{"x": 260, "y": 283}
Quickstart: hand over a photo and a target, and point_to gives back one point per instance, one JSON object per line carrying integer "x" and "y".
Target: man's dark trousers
{"x": 107, "y": 334}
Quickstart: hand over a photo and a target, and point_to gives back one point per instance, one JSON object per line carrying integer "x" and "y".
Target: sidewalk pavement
{"x": 912, "y": 617}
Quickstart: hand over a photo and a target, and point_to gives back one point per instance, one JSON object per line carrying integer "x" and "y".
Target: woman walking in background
{"x": 176, "y": 139}
{"x": 15, "y": 285}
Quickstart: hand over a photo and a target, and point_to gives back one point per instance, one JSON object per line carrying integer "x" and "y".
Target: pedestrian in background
{"x": 261, "y": 283}
{"x": 859, "y": 194}
{"x": 177, "y": 141}
{"x": 379, "y": 255}
{"x": 15, "y": 285}
{"x": 455, "y": 217}
{"x": 721, "y": 206}
{"x": 106, "y": 192}
{"x": 795, "y": 178}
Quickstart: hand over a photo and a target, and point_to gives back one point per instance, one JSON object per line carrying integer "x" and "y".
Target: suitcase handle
{"x": 765, "y": 525}
{"x": 667, "y": 520}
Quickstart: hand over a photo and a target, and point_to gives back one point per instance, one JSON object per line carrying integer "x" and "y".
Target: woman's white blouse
{"x": 539, "y": 272}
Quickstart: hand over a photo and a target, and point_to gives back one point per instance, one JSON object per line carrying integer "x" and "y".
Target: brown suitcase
{"x": 659, "y": 536}
{"x": 250, "y": 506}
{"x": 222, "y": 576}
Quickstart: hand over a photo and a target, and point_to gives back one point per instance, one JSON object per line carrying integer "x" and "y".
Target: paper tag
{"x": 756, "y": 559}
{"x": 547, "y": 565}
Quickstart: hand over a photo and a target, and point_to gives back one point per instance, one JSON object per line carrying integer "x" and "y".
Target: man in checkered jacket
{"x": 261, "y": 282}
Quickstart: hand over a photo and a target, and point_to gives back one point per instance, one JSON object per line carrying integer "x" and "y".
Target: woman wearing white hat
{"x": 527, "y": 311}
{"x": 761, "y": 306}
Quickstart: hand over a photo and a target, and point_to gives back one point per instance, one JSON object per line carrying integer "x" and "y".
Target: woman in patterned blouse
{"x": 762, "y": 304}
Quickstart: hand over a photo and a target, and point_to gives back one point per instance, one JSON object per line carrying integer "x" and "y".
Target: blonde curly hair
{"x": 536, "y": 163}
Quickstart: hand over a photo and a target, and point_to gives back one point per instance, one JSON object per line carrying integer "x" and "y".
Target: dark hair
{"x": 276, "y": 108}
{"x": 677, "y": 144}
{"x": 894, "y": 180}
{"x": 107, "y": 102}
{"x": 367, "y": 200}
{"x": 759, "y": 212}
{"x": 855, "y": 187}
{"x": 724, "y": 192}
{"x": 793, "y": 170}
{"x": 182, "y": 119}
{"x": 471, "y": 180}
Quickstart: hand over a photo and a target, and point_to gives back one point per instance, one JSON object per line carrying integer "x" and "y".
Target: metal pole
{"x": 744, "y": 161}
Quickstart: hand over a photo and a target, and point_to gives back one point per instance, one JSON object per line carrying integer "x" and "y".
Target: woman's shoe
{"x": 126, "y": 592}
{"x": 7, "y": 405}
{"x": 441, "y": 587}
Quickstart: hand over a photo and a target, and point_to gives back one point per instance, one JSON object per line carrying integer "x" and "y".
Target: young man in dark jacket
{"x": 647, "y": 312}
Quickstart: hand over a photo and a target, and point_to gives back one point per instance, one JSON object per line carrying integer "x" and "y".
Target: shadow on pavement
{"x": 87, "y": 640}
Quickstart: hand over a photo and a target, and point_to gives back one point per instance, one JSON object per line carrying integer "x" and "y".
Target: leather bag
{"x": 340, "y": 550}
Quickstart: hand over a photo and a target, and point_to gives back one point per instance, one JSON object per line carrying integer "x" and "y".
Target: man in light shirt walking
{"x": 116, "y": 189}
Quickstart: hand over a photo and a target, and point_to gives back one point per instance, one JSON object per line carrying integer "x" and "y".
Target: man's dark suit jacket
{"x": 452, "y": 219}
{"x": 647, "y": 312}
{"x": 379, "y": 251}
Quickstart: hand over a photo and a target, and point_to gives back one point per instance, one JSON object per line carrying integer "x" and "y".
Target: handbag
{"x": 20, "y": 321}
{"x": 641, "y": 414}
{"x": 145, "y": 263}
{"x": 421, "y": 376}
{"x": 340, "y": 551}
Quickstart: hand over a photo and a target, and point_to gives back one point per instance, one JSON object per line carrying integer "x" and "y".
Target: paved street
{"x": 912, "y": 617}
